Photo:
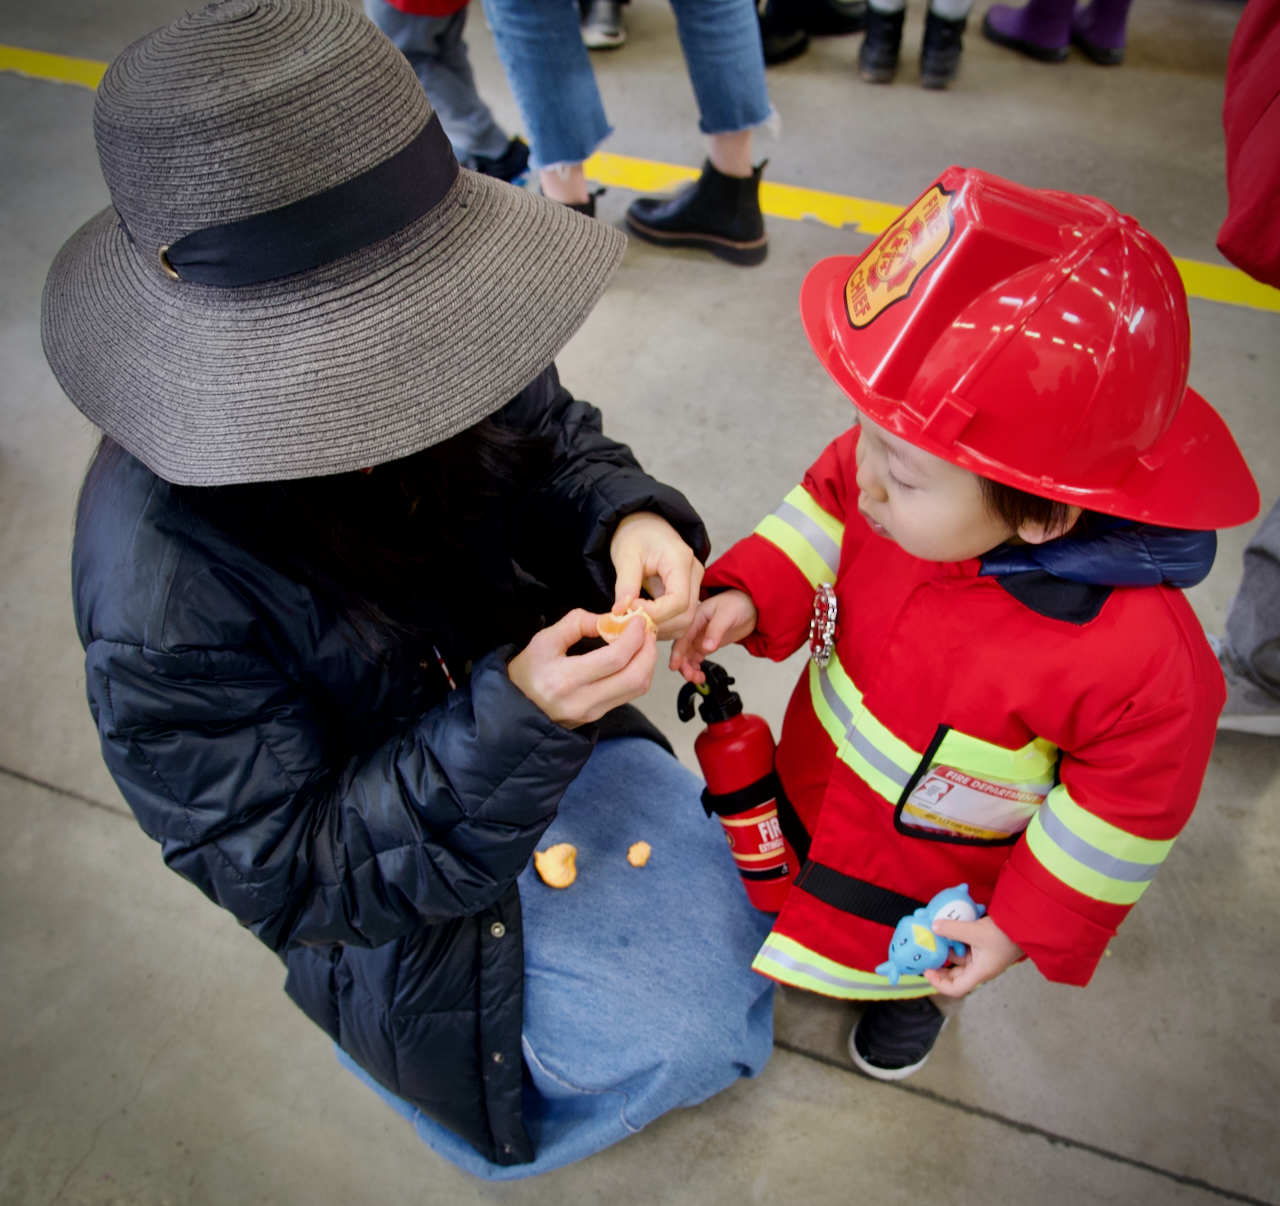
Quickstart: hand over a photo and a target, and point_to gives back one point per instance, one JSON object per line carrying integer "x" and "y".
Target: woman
{"x": 339, "y": 496}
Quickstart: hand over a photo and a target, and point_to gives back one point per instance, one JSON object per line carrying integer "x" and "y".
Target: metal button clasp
{"x": 169, "y": 269}
{"x": 497, "y": 929}
{"x": 822, "y": 628}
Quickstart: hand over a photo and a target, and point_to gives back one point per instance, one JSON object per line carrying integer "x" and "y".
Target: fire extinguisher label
{"x": 755, "y": 840}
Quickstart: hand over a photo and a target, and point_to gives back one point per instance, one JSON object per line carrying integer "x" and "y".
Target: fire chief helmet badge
{"x": 1037, "y": 338}
{"x": 893, "y": 265}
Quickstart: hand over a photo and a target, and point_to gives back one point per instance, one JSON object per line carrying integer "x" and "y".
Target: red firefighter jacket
{"x": 1045, "y": 749}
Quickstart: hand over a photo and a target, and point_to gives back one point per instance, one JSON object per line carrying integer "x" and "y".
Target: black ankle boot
{"x": 940, "y": 50}
{"x": 719, "y": 213}
{"x": 588, "y": 206}
{"x": 783, "y": 36}
{"x": 878, "y": 55}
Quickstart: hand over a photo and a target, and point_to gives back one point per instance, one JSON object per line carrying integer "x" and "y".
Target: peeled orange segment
{"x": 639, "y": 853}
{"x": 557, "y": 866}
{"x": 611, "y": 627}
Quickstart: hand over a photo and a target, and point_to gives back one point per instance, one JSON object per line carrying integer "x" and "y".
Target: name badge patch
{"x": 949, "y": 801}
{"x": 889, "y": 270}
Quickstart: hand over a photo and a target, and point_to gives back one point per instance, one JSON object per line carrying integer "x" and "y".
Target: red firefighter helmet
{"x": 1037, "y": 338}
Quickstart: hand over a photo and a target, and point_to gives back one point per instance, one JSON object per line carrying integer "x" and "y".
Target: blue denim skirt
{"x": 639, "y": 996}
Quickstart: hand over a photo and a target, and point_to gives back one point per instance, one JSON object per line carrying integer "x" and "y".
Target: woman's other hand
{"x": 576, "y": 690}
{"x": 648, "y": 552}
{"x": 720, "y": 620}
{"x": 991, "y": 951}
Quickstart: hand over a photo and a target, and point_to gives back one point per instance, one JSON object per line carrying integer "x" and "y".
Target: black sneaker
{"x": 940, "y": 50}
{"x": 718, "y": 213}
{"x": 878, "y": 54}
{"x": 601, "y": 24}
{"x": 893, "y": 1038}
{"x": 509, "y": 166}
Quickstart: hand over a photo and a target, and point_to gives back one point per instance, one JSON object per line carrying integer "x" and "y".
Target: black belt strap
{"x": 793, "y": 827}
{"x": 734, "y": 802}
{"x": 850, "y": 895}
{"x": 769, "y": 788}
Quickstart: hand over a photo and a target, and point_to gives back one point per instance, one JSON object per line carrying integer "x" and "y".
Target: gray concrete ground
{"x": 147, "y": 1054}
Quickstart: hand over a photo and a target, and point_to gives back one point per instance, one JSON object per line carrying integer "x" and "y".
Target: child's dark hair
{"x": 1017, "y": 507}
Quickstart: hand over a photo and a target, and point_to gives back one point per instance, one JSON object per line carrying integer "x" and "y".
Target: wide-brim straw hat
{"x": 393, "y": 299}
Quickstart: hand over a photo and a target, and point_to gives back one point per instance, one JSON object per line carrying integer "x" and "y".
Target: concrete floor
{"x": 147, "y": 1054}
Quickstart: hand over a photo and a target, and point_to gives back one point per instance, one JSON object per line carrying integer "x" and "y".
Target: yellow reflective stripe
{"x": 1091, "y": 855}
{"x": 797, "y": 549}
{"x": 897, "y": 760}
{"x": 803, "y": 501}
{"x": 806, "y": 534}
{"x": 1107, "y": 837}
{"x": 785, "y": 959}
{"x": 874, "y": 754}
{"x": 886, "y": 763}
{"x": 1033, "y": 763}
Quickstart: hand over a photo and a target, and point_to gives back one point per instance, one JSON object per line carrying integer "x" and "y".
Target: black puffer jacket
{"x": 362, "y": 821}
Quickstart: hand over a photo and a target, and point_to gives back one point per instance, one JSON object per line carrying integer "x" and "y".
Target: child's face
{"x": 929, "y": 507}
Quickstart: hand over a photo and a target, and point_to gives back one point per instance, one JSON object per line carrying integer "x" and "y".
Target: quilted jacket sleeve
{"x": 793, "y": 550}
{"x": 561, "y": 533}
{"x": 227, "y": 764}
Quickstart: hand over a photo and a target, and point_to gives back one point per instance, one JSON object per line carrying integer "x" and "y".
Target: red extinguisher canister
{"x": 735, "y": 752}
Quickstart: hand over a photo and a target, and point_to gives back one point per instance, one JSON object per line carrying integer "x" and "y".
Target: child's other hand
{"x": 720, "y": 620}
{"x": 991, "y": 951}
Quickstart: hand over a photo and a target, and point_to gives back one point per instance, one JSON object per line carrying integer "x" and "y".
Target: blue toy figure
{"x": 916, "y": 947}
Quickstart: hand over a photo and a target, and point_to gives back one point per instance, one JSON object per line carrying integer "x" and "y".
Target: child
{"x": 1016, "y": 696}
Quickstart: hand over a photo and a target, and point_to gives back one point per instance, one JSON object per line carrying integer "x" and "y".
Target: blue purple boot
{"x": 1098, "y": 30}
{"x": 1040, "y": 29}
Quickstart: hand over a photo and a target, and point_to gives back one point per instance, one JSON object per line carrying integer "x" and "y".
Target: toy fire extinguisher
{"x": 735, "y": 752}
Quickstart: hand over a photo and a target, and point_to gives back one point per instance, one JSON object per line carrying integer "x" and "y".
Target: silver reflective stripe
{"x": 823, "y": 545}
{"x": 791, "y": 963}
{"x": 860, "y": 742}
{"x": 1093, "y": 858}
{"x": 834, "y": 702}
{"x": 882, "y": 762}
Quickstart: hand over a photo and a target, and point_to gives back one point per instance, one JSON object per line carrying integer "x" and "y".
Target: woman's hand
{"x": 647, "y": 551}
{"x": 720, "y": 620}
{"x": 576, "y": 690}
{"x": 991, "y": 951}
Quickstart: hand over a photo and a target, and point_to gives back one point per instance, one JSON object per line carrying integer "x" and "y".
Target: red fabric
{"x": 429, "y": 8}
{"x": 1131, "y": 700}
{"x": 1250, "y": 237}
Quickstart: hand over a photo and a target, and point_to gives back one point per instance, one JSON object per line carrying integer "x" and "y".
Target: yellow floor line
{"x": 1216, "y": 282}
{"x": 59, "y": 68}
{"x": 1212, "y": 282}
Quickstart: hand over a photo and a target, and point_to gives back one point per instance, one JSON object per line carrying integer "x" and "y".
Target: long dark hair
{"x": 408, "y": 552}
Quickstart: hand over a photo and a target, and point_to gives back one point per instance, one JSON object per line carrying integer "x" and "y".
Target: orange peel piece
{"x": 639, "y": 853}
{"x": 611, "y": 627}
{"x": 557, "y": 866}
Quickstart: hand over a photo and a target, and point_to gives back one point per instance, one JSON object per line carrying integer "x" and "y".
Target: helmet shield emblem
{"x": 902, "y": 253}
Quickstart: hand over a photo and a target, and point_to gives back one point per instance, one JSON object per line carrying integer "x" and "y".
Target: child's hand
{"x": 991, "y": 951}
{"x": 720, "y": 620}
